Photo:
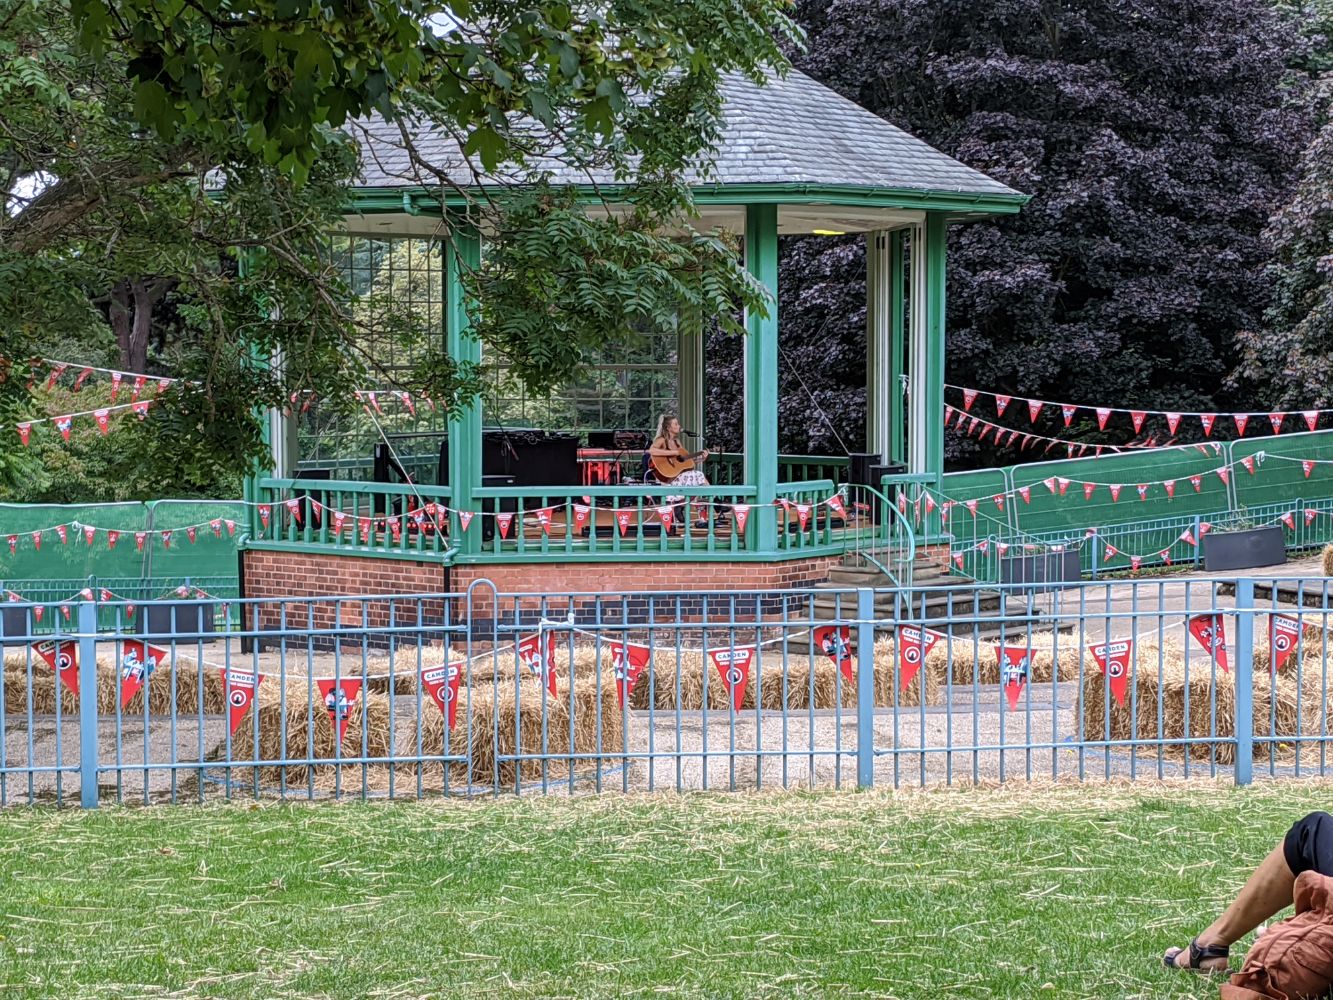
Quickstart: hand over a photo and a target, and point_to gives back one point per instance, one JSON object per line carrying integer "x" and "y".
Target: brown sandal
{"x": 1198, "y": 955}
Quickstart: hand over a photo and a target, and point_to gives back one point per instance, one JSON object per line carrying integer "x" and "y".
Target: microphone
{"x": 690, "y": 433}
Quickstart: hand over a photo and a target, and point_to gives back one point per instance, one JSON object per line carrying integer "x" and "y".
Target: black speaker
{"x": 505, "y": 505}
{"x": 602, "y": 439}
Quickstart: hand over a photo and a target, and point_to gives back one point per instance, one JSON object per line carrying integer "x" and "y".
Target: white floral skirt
{"x": 690, "y": 477}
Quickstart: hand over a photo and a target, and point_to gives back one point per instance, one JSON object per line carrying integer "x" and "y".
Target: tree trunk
{"x": 131, "y": 314}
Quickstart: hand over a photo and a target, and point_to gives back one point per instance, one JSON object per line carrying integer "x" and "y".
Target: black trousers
{"x": 1309, "y": 844}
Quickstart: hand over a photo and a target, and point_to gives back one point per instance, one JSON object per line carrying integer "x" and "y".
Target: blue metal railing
{"x": 354, "y": 697}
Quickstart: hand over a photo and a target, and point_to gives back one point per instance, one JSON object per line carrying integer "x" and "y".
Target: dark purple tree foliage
{"x": 1156, "y": 136}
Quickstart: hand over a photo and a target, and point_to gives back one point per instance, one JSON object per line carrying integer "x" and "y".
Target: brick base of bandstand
{"x": 516, "y": 593}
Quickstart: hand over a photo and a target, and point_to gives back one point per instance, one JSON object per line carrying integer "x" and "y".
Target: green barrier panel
{"x": 207, "y": 556}
{"x": 1278, "y": 474}
{"x": 1073, "y": 513}
{"x": 981, "y": 485}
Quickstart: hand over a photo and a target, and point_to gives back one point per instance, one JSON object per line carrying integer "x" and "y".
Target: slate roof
{"x": 792, "y": 130}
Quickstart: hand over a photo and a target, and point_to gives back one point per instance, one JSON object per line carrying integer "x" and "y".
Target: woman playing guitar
{"x": 672, "y": 462}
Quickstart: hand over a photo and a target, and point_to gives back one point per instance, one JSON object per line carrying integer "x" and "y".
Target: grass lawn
{"x": 1066, "y": 892}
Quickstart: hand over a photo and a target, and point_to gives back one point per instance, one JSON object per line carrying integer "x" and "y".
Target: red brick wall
{"x": 269, "y": 574}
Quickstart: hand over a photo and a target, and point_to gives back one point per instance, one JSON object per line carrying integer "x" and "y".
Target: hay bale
{"x": 970, "y": 662}
{"x": 298, "y": 727}
{"x": 1283, "y": 706}
{"x": 490, "y": 726}
{"x": 1328, "y": 560}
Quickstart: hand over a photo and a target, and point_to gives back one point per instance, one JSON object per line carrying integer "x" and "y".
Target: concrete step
{"x": 927, "y": 604}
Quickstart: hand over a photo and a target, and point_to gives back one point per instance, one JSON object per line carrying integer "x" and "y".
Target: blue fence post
{"x": 1198, "y": 538}
{"x": 865, "y": 687}
{"x": 87, "y": 704}
{"x": 1244, "y": 680}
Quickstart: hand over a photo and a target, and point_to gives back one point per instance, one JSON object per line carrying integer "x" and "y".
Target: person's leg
{"x": 1308, "y": 846}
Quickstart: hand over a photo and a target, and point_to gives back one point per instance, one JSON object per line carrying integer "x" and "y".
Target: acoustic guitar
{"x": 670, "y": 468}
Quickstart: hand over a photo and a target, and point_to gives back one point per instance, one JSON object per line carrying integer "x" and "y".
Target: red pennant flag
{"x": 56, "y": 372}
{"x": 734, "y": 667}
{"x": 1026, "y": 493}
{"x": 137, "y": 662}
{"x": 1068, "y": 413}
{"x": 999, "y": 500}
{"x": 363, "y": 527}
{"x": 1242, "y": 421}
{"x": 24, "y": 429}
{"x": 1311, "y": 418}
{"x": 89, "y": 533}
{"x": 63, "y": 425}
{"x": 1088, "y": 490}
{"x": 983, "y": 547}
{"x": 836, "y": 643}
{"x": 985, "y": 429}
{"x": 1172, "y": 421}
{"x": 62, "y": 533}
{"x": 464, "y": 519}
{"x": 1276, "y": 420}
{"x": 1207, "y": 420}
{"x": 503, "y": 521}
{"x": 1115, "y": 489}
{"x": 1111, "y": 552}
{"x": 103, "y": 420}
{"x": 63, "y": 658}
{"x": 628, "y": 660}
{"x": 37, "y": 540}
{"x": 581, "y": 513}
{"x": 1138, "y": 416}
{"x": 395, "y": 528}
{"x": 441, "y": 685}
{"x": 191, "y": 533}
{"x": 1224, "y": 474}
{"x": 139, "y": 538}
{"x": 115, "y": 385}
{"x": 958, "y": 560}
{"x": 1307, "y": 467}
{"x": 138, "y": 387}
{"x": 1135, "y": 562}
{"x": 1001, "y": 404}
{"x": 13, "y": 544}
{"x": 1248, "y": 463}
{"x": 949, "y": 411}
{"x": 216, "y": 525}
{"x": 1143, "y": 491}
{"x": 835, "y": 504}
{"x": 1187, "y": 536}
{"x": 1049, "y": 483}
{"x": 544, "y": 516}
{"x": 294, "y": 508}
{"x": 1015, "y": 669}
{"x": 1063, "y": 484}
{"x": 1034, "y": 409}
{"x": 1197, "y": 483}
{"x": 339, "y": 697}
{"x": 265, "y": 511}
{"x": 83, "y": 377}
{"x": 914, "y": 645}
{"x": 105, "y": 595}
{"x": 1310, "y": 516}
{"x": 1114, "y": 659}
{"x": 1166, "y": 556}
{"x": 1103, "y": 414}
{"x": 1210, "y": 630}
{"x": 945, "y": 508}
{"x": 803, "y": 514}
{"x": 375, "y": 402}
{"x": 240, "y": 687}
{"x": 971, "y": 505}
{"x": 406, "y": 397}
{"x": 162, "y": 385}
{"x": 742, "y": 514}
{"x": 140, "y": 408}
{"x": 1002, "y": 548}
{"x": 969, "y": 397}
{"x": 1289, "y": 519}
{"x": 231, "y": 526}
{"x": 166, "y": 539}
{"x": 667, "y": 515}
{"x": 625, "y": 514}
{"x": 1284, "y": 632}
{"x": 539, "y": 657}
{"x": 1170, "y": 487}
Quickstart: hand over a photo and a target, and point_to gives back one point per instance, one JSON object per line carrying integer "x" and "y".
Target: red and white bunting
{"x": 999, "y": 500}
{"x": 628, "y": 660}
{"x": 240, "y": 687}
{"x": 1143, "y": 491}
{"x": 1103, "y": 414}
{"x": 1311, "y": 418}
{"x": 1115, "y": 489}
{"x": 89, "y": 534}
{"x": 62, "y": 657}
{"x": 139, "y": 538}
{"x": 1015, "y": 671}
{"x": 1172, "y": 421}
{"x": 733, "y": 665}
{"x": 969, "y": 397}
{"x": 544, "y": 516}
{"x": 1001, "y": 404}
{"x": 836, "y": 642}
{"x": 1068, "y": 413}
{"x": 836, "y": 505}
{"x": 624, "y": 515}
{"x": 1197, "y": 483}
{"x": 136, "y": 664}
{"x": 581, "y": 513}
{"x": 440, "y": 683}
{"x": 1284, "y": 633}
{"x": 1138, "y": 416}
{"x": 62, "y": 533}
{"x": 914, "y": 645}
{"x": 504, "y": 522}
{"x": 1034, "y": 409}
{"x": 103, "y": 418}
{"x": 1289, "y": 519}
{"x": 63, "y": 426}
{"x": 1210, "y": 631}
{"x": 1224, "y": 474}
{"x": 1170, "y": 486}
{"x": 1247, "y": 463}
{"x": 339, "y": 697}
{"x": 1114, "y": 659}
{"x": 1063, "y": 484}
{"x": 1276, "y": 420}
{"x": 1307, "y": 467}
{"x": 1206, "y": 419}
{"x": 464, "y": 519}
{"x": 1088, "y": 490}
{"x": 1242, "y": 421}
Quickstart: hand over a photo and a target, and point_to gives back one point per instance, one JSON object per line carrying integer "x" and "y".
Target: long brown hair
{"x": 662, "y": 423}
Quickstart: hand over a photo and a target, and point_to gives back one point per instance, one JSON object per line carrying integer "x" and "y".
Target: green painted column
{"x": 933, "y": 389}
{"x": 761, "y": 377}
{"x": 897, "y": 349}
{"x": 879, "y": 392}
{"x": 462, "y": 254}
